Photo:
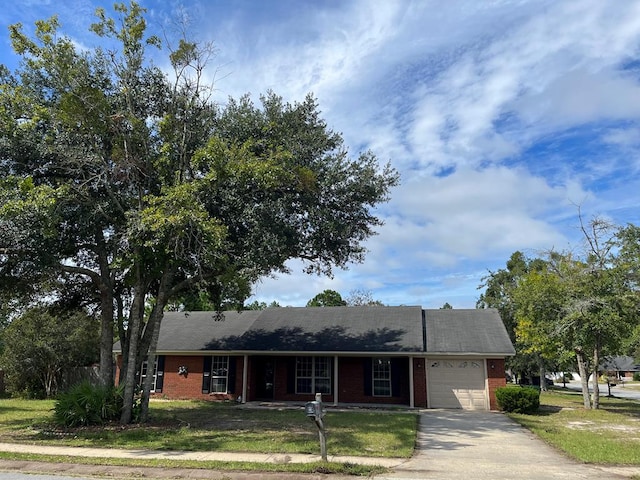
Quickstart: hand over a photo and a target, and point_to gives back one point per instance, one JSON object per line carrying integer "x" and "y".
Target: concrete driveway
{"x": 466, "y": 445}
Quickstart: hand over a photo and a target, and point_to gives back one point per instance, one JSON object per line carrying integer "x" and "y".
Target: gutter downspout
{"x": 335, "y": 381}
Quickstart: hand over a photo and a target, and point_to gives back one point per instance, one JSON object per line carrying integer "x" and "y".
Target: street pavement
{"x": 452, "y": 445}
{"x": 619, "y": 391}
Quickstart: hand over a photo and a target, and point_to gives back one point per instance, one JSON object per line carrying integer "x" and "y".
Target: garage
{"x": 457, "y": 383}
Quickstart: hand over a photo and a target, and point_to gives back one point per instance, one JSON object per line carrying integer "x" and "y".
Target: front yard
{"x": 209, "y": 426}
{"x": 610, "y": 435}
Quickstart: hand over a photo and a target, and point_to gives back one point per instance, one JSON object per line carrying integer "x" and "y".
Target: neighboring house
{"x": 619, "y": 366}
{"x": 446, "y": 358}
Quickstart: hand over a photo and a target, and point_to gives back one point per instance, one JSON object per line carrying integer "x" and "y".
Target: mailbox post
{"x": 315, "y": 412}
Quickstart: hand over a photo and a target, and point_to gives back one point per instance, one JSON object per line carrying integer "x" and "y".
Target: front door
{"x": 264, "y": 378}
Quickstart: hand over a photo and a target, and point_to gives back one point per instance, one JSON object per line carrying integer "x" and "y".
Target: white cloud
{"x": 580, "y": 97}
{"x": 497, "y": 95}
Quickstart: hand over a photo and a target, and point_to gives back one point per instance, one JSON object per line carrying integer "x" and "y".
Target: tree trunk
{"x": 106, "y": 337}
{"x": 154, "y": 325}
{"x": 596, "y": 387}
{"x": 584, "y": 377}
{"x": 152, "y": 332}
{"x": 124, "y": 339}
{"x": 542, "y": 373}
{"x": 135, "y": 325}
{"x": 106, "y": 312}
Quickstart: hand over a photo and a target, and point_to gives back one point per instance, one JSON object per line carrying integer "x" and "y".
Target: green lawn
{"x": 200, "y": 426}
{"x": 610, "y": 435}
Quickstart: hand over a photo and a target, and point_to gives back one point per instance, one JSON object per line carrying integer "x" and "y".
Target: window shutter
{"x": 160, "y": 374}
{"x": 206, "y": 375}
{"x": 291, "y": 375}
{"x": 231, "y": 375}
{"x": 396, "y": 372}
{"x": 368, "y": 376}
{"x": 331, "y": 374}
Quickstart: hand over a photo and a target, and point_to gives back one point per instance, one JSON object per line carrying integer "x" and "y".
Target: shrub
{"x": 518, "y": 399}
{"x": 636, "y": 376}
{"x": 87, "y": 404}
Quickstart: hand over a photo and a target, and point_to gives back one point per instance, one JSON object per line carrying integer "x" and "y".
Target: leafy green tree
{"x": 582, "y": 305}
{"x": 133, "y": 190}
{"x": 327, "y": 298}
{"x": 499, "y": 287}
{"x": 627, "y": 242}
{"x": 43, "y": 345}
{"x": 597, "y": 316}
{"x": 256, "y": 305}
{"x": 446, "y": 306}
{"x": 359, "y": 298}
{"x": 539, "y": 300}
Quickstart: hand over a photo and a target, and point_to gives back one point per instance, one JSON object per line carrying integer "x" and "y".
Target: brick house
{"x": 447, "y": 358}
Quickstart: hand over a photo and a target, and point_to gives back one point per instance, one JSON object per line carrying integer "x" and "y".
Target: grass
{"x": 610, "y": 435}
{"x": 209, "y": 426}
{"x": 312, "y": 467}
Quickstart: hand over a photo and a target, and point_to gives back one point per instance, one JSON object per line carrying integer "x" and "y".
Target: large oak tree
{"x": 129, "y": 186}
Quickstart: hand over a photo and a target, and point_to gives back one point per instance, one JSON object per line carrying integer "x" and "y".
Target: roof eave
{"x": 470, "y": 354}
{"x": 402, "y": 353}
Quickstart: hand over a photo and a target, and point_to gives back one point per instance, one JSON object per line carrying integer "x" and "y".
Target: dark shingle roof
{"x": 620, "y": 363}
{"x": 193, "y": 331}
{"x": 451, "y": 331}
{"x": 354, "y": 329}
{"x": 341, "y": 329}
{"x": 336, "y": 329}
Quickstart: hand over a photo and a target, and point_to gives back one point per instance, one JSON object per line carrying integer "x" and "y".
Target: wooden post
{"x": 321, "y": 432}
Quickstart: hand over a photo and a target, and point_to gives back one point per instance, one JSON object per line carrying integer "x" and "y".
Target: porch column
{"x": 411, "y": 386}
{"x": 335, "y": 381}
{"x": 245, "y": 370}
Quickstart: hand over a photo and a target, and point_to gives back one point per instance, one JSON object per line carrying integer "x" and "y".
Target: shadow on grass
{"x": 548, "y": 410}
{"x": 211, "y": 426}
{"x": 624, "y": 407}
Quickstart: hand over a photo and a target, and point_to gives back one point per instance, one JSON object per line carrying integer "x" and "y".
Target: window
{"x": 381, "y": 377}
{"x": 144, "y": 371}
{"x": 219, "y": 374}
{"x": 313, "y": 375}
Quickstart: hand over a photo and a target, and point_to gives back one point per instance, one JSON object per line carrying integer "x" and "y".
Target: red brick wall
{"x": 351, "y": 384}
{"x": 419, "y": 383}
{"x": 496, "y": 378}
{"x": 351, "y": 387}
{"x": 182, "y": 386}
{"x": 189, "y": 386}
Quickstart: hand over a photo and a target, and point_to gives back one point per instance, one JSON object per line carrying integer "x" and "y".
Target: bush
{"x": 87, "y": 404}
{"x": 636, "y": 376}
{"x": 518, "y": 399}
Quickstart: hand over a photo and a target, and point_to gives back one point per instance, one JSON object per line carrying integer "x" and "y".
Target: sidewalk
{"x": 194, "y": 456}
{"x": 178, "y": 473}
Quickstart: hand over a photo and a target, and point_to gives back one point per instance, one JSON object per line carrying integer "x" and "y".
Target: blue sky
{"x": 501, "y": 116}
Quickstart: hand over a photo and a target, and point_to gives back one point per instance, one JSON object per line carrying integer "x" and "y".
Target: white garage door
{"x": 456, "y": 383}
